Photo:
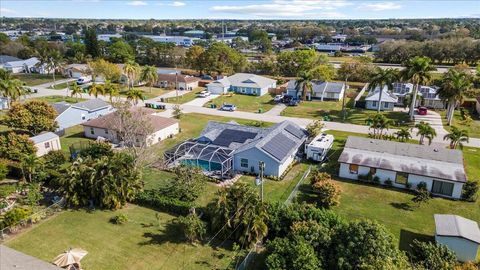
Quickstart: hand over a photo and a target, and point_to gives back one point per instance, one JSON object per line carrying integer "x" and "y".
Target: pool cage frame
{"x": 206, "y": 152}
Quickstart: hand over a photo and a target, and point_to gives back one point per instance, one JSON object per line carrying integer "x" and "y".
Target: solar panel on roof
{"x": 279, "y": 146}
{"x": 294, "y": 131}
{"x": 227, "y": 136}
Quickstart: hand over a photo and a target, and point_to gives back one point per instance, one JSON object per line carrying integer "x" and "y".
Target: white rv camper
{"x": 317, "y": 149}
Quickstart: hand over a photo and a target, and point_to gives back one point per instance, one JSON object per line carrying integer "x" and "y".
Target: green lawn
{"x": 58, "y": 98}
{"x": 141, "y": 243}
{"x": 245, "y": 103}
{"x": 148, "y": 93}
{"x": 393, "y": 207}
{"x": 73, "y": 135}
{"x": 189, "y": 96}
{"x": 33, "y": 79}
{"x": 473, "y": 127}
{"x": 60, "y": 86}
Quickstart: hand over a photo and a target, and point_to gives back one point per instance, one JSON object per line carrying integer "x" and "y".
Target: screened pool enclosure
{"x": 214, "y": 160}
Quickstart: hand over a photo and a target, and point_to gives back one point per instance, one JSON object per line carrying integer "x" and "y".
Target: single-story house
{"x": 104, "y": 127}
{"x": 386, "y": 104}
{"x": 73, "y": 114}
{"x": 7, "y": 58}
{"x": 321, "y": 90}
{"x": 30, "y": 65}
{"x": 183, "y": 82}
{"x": 429, "y": 94}
{"x": 76, "y": 70}
{"x": 459, "y": 234}
{"x": 46, "y": 142}
{"x": 441, "y": 169}
{"x": 242, "y": 83}
{"x": 477, "y": 105}
{"x": 11, "y": 259}
{"x": 226, "y": 148}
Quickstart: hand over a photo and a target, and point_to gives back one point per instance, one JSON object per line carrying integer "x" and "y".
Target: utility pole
{"x": 261, "y": 166}
{"x": 343, "y": 99}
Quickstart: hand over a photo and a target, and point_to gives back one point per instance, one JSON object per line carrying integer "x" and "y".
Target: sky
{"x": 225, "y": 9}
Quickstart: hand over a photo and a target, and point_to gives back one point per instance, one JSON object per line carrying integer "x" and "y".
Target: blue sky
{"x": 218, "y": 9}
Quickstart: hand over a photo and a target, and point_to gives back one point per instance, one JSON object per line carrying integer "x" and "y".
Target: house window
{"x": 92, "y": 131}
{"x": 402, "y": 178}
{"x": 373, "y": 171}
{"x": 443, "y": 188}
{"x": 243, "y": 90}
{"x": 47, "y": 145}
{"x": 353, "y": 168}
{"x": 106, "y": 131}
{"x": 385, "y": 105}
{"x": 244, "y": 163}
{"x": 254, "y": 91}
{"x": 374, "y": 104}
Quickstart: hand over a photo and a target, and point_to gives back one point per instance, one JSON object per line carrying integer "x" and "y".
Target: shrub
{"x": 119, "y": 219}
{"x": 408, "y": 185}
{"x": 15, "y": 216}
{"x": 319, "y": 176}
{"x": 430, "y": 255}
{"x": 376, "y": 180}
{"x": 156, "y": 200}
{"x": 54, "y": 159}
{"x": 97, "y": 150}
{"x": 470, "y": 190}
{"x": 328, "y": 193}
{"x": 192, "y": 226}
{"x": 389, "y": 182}
{"x": 3, "y": 169}
{"x": 6, "y": 190}
{"x": 422, "y": 185}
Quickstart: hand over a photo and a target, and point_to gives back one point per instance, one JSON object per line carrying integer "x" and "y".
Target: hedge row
{"x": 152, "y": 198}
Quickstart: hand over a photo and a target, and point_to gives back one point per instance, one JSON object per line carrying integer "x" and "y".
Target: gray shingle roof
{"x": 405, "y": 157}
{"x": 7, "y": 58}
{"x": 386, "y": 96}
{"x": 43, "y": 137}
{"x": 11, "y": 259}
{"x": 320, "y": 86}
{"x": 91, "y": 104}
{"x": 60, "y": 107}
{"x": 457, "y": 226}
{"x": 245, "y": 80}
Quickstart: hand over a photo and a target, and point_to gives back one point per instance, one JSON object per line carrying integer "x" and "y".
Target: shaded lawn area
{"x": 58, "y": 98}
{"x": 33, "y": 79}
{"x": 189, "y": 96}
{"x": 73, "y": 135}
{"x": 141, "y": 243}
{"x": 278, "y": 191}
{"x": 473, "y": 127}
{"x": 333, "y": 111}
{"x": 392, "y": 207}
{"x": 147, "y": 93}
{"x": 245, "y": 103}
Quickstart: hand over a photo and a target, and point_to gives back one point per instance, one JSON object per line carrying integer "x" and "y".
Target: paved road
{"x": 265, "y": 117}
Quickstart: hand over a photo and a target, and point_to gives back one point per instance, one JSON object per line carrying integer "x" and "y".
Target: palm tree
{"x": 425, "y": 131}
{"x": 417, "y": 71}
{"x": 131, "y": 69}
{"x": 379, "y": 123}
{"x": 76, "y": 91}
{"x": 381, "y": 78}
{"x": 111, "y": 89}
{"x": 457, "y": 137}
{"x": 29, "y": 165}
{"x": 304, "y": 84}
{"x": 454, "y": 85}
{"x": 96, "y": 89}
{"x": 149, "y": 75}
{"x": 135, "y": 95}
{"x": 52, "y": 60}
{"x": 12, "y": 89}
{"x": 403, "y": 134}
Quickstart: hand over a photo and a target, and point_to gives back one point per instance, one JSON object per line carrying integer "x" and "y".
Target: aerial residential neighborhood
{"x": 240, "y": 135}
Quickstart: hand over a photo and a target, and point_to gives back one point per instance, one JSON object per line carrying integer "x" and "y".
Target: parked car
{"x": 278, "y": 98}
{"x": 287, "y": 98}
{"x": 293, "y": 102}
{"x": 228, "y": 107}
{"x": 204, "y": 94}
{"x": 83, "y": 80}
{"x": 206, "y": 77}
{"x": 422, "y": 110}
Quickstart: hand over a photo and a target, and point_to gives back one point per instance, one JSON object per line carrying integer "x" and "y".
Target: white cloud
{"x": 379, "y": 6}
{"x": 7, "y": 11}
{"x": 287, "y": 8}
{"x": 172, "y": 4}
{"x": 137, "y": 3}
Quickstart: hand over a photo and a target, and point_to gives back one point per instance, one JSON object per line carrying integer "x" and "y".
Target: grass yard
{"x": 141, "y": 243}
{"x": 60, "y": 86}
{"x": 278, "y": 191}
{"x": 189, "y": 96}
{"x": 33, "y": 79}
{"x": 58, "y": 98}
{"x": 393, "y": 207}
{"x": 245, "y": 103}
{"x": 148, "y": 94}
{"x": 73, "y": 135}
{"x": 473, "y": 127}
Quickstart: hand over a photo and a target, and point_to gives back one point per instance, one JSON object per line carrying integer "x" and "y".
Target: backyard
{"x": 472, "y": 126}
{"x": 147, "y": 92}
{"x": 245, "y": 103}
{"x": 32, "y": 79}
{"x": 188, "y": 96}
{"x": 58, "y": 98}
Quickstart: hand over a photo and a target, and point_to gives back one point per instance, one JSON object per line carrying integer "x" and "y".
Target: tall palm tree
{"x": 417, "y": 71}
{"x": 381, "y": 78}
{"x": 12, "y": 89}
{"x": 457, "y": 137}
{"x": 403, "y": 134}
{"x": 75, "y": 91}
{"x": 304, "y": 84}
{"x": 96, "y": 89}
{"x": 149, "y": 75}
{"x": 52, "y": 60}
{"x": 111, "y": 89}
{"x": 424, "y": 130}
{"x": 131, "y": 69}
{"x": 379, "y": 123}
{"x": 135, "y": 95}
{"x": 454, "y": 85}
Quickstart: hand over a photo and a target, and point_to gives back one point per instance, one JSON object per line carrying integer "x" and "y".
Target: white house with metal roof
{"x": 242, "y": 83}
{"x": 31, "y": 65}
{"x": 320, "y": 90}
{"x": 459, "y": 234}
{"x": 74, "y": 114}
{"x": 46, "y": 142}
{"x": 387, "y": 102}
{"x": 441, "y": 169}
{"x": 226, "y": 148}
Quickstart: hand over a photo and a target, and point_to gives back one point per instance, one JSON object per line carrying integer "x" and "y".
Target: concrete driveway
{"x": 200, "y": 101}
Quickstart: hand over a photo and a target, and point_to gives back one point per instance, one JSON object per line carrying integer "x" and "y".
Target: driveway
{"x": 199, "y": 102}
{"x": 434, "y": 119}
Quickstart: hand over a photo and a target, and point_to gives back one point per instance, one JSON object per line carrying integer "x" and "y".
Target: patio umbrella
{"x": 70, "y": 257}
